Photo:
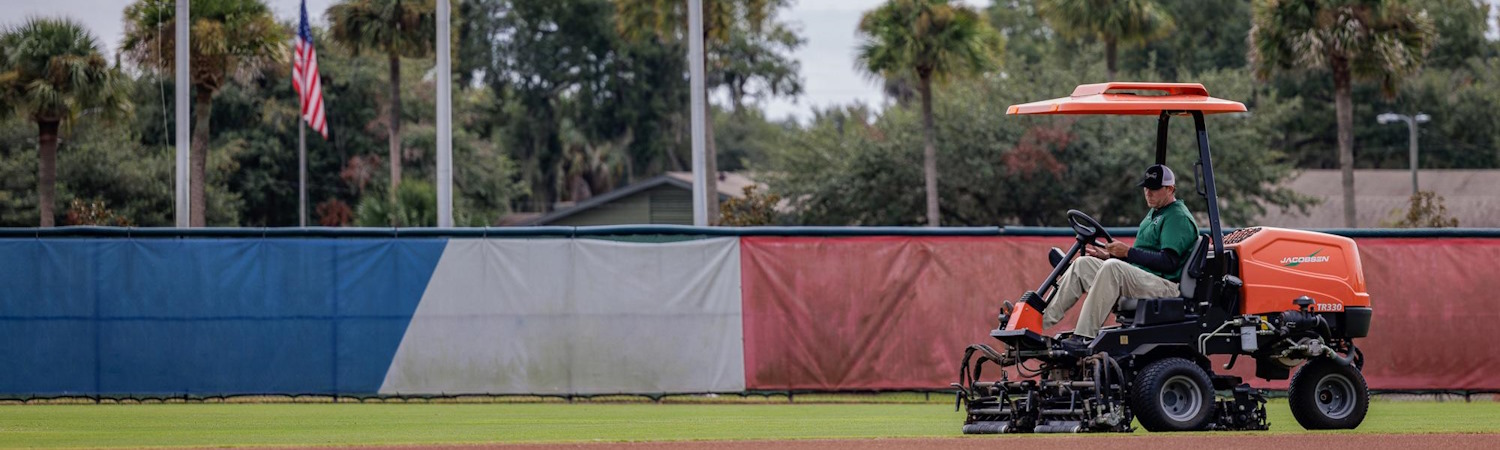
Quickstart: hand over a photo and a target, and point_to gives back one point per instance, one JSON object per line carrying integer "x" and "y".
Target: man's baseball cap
{"x": 1158, "y": 176}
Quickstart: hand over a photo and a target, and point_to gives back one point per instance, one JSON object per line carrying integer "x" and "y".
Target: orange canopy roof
{"x": 1102, "y": 98}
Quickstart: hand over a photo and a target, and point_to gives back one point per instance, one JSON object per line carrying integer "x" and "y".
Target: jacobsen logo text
{"x": 1293, "y": 261}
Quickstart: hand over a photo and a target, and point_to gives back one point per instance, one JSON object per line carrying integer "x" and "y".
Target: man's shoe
{"x": 1076, "y": 344}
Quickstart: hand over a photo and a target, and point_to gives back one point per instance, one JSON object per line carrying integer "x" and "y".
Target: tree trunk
{"x": 202, "y": 106}
{"x": 393, "y": 126}
{"x": 1345, "y": 117}
{"x": 737, "y": 97}
{"x": 46, "y": 176}
{"x": 929, "y": 151}
{"x": 1110, "y": 53}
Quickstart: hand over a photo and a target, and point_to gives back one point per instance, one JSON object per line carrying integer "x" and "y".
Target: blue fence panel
{"x": 206, "y": 316}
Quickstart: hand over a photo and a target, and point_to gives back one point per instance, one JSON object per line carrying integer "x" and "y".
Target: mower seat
{"x": 1187, "y": 284}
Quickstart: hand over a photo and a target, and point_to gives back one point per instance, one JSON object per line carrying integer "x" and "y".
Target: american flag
{"x": 305, "y": 78}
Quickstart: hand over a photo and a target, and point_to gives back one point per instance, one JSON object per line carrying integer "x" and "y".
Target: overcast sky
{"x": 829, "y": 77}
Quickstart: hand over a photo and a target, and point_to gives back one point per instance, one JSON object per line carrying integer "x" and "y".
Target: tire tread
{"x": 1302, "y": 399}
{"x": 1143, "y": 395}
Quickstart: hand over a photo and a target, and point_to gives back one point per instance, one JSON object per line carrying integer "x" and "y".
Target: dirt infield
{"x": 1129, "y": 442}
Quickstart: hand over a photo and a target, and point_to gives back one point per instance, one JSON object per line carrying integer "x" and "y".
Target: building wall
{"x": 634, "y": 209}
{"x": 1471, "y": 196}
{"x": 671, "y": 206}
{"x": 662, "y": 205}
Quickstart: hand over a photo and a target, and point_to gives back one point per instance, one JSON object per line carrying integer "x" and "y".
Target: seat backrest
{"x": 1187, "y": 281}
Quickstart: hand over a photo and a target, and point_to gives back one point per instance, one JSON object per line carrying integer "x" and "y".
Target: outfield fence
{"x": 641, "y": 310}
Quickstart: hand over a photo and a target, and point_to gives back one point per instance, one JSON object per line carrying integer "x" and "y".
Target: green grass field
{"x": 158, "y": 425}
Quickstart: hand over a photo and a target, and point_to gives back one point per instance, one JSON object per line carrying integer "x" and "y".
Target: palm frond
{"x": 927, "y": 38}
{"x": 1380, "y": 40}
{"x": 402, "y": 27}
{"x": 52, "y": 70}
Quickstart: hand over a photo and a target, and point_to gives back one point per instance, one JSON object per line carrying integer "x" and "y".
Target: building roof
{"x": 1106, "y": 98}
{"x": 731, "y": 185}
{"x": 1471, "y": 196}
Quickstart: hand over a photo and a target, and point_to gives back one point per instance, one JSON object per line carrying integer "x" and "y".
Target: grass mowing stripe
{"x": 58, "y": 426}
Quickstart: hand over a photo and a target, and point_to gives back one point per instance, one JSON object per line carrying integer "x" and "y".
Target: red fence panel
{"x": 875, "y": 312}
{"x": 1437, "y": 313}
{"x": 865, "y": 313}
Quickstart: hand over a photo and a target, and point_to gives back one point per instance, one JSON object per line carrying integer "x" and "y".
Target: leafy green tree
{"x": 397, "y": 29}
{"x": 18, "y": 173}
{"x": 261, "y": 120}
{"x": 485, "y": 180}
{"x": 1113, "y": 22}
{"x": 51, "y": 72}
{"x": 1383, "y": 40}
{"x": 745, "y": 138}
{"x": 932, "y": 40}
{"x": 567, "y": 83}
{"x": 123, "y": 163}
{"x": 732, "y": 30}
{"x": 1209, "y": 35}
{"x": 753, "y": 66}
{"x": 1463, "y": 133}
{"x": 415, "y": 206}
{"x": 230, "y": 39}
{"x": 1453, "y": 87}
{"x": 576, "y": 100}
{"x": 847, "y": 169}
{"x": 1426, "y": 210}
{"x": 756, "y": 209}
{"x": 1460, "y": 27}
{"x": 843, "y": 170}
{"x": 94, "y": 212}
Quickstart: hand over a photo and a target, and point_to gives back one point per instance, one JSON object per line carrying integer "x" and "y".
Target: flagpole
{"x": 184, "y": 143}
{"x": 301, "y": 174}
{"x": 444, "y": 118}
{"x": 698, "y": 112}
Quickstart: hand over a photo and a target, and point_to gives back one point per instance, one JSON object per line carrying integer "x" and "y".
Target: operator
{"x": 1150, "y": 269}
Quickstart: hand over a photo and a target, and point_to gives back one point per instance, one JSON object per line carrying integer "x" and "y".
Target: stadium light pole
{"x": 181, "y": 93}
{"x": 699, "y": 112}
{"x": 444, "y": 118}
{"x": 1411, "y": 125}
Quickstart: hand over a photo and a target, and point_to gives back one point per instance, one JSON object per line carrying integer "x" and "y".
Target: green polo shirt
{"x": 1169, "y": 227}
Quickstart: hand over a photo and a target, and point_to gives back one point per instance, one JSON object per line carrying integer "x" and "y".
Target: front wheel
{"x": 1173, "y": 394}
{"x": 1326, "y": 395}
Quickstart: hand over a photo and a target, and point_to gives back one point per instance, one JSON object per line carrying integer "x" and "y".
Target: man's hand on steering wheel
{"x": 1114, "y": 249}
{"x": 1117, "y": 249}
{"x": 1089, "y": 231}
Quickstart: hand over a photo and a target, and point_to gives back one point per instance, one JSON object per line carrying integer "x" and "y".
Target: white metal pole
{"x": 444, "y": 118}
{"x": 181, "y": 93}
{"x": 1412, "y": 146}
{"x": 301, "y": 174}
{"x": 699, "y": 111}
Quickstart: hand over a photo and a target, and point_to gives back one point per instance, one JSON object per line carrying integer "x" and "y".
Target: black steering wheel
{"x": 1088, "y": 229}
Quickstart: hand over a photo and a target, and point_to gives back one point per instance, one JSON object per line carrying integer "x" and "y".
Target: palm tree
{"x": 1384, "y": 40}
{"x": 396, "y": 28}
{"x": 51, "y": 72}
{"x": 1114, "y": 22}
{"x": 230, "y": 40}
{"x": 667, "y": 21}
{"x": 934, "y": 41}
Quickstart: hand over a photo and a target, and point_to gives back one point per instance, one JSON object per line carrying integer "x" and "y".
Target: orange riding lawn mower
{"x": 1282, "y": 298}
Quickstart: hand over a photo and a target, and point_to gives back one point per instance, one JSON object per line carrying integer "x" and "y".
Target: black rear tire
{"x": 1326, "y": 395}
{"x": 1173, "y": 394}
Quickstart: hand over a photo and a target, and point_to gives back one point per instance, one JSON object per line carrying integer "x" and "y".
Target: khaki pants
{"x": 1105, "y": 282}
